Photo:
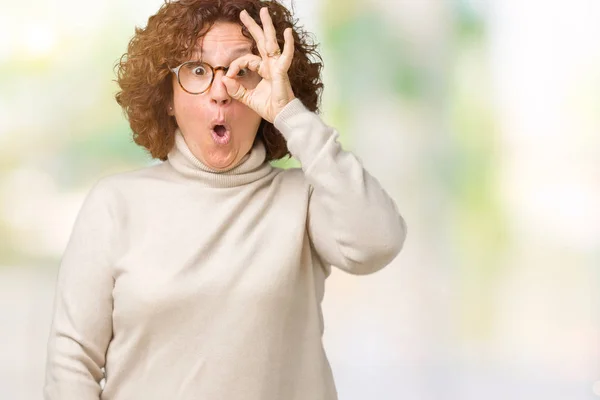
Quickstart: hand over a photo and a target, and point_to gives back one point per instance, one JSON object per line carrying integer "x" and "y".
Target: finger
{"x": 250, "y": 61}
{"x": 271, "y": 44}
{"x": 236, "y": 90}
{"x": 288, "y": 49}
{"x": 255, "y": 30}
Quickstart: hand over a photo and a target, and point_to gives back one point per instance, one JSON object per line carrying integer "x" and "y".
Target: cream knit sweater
{"x": 184, "y": 283}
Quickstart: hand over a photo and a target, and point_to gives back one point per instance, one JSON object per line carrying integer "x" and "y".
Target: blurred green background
{"x": 481, "y": 119}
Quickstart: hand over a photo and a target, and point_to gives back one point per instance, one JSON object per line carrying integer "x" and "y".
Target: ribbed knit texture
{"x": 251, "y": 168}
{"x": 185, "y": 283}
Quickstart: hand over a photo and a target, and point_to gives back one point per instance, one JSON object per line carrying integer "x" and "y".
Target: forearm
{"x": 74, "y": 362}
{"x": 350, "y": 209}
{"x": 82, "y": 321}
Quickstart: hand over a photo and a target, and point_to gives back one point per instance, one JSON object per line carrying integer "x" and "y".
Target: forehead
{"x": 223, "y": 39}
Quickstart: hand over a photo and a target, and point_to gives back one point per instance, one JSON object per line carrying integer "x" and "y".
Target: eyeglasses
{"x": 196, "y": 77}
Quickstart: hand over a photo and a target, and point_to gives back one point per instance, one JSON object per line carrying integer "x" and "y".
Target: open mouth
{"x": 220, "y": 130}
{"x": 221, "y": 134}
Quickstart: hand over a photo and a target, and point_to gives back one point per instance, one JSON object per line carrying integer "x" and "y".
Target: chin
{"x": 222, "y": 163}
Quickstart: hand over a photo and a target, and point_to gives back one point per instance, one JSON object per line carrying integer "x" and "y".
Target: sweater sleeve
{"x": 352, "y": 222}
{"x": 82, "y": 322}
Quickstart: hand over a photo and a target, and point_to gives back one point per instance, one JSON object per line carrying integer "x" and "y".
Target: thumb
{"x": 235, "y": 89}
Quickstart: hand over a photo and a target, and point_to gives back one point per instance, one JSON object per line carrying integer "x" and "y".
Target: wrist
{"x": 284, "y": 120}
{"x": 281, "y": 106}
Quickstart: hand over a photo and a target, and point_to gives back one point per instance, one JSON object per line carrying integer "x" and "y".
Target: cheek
{"x": 249, "y": 121}
{"x": 249, "y": 117}
{"x": 182, "y": 101}
{"x": 186, "y": 106}
{"x": 189, "y": 108}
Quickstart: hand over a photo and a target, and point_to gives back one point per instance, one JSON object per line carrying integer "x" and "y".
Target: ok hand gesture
{"x": 274, "y": 91}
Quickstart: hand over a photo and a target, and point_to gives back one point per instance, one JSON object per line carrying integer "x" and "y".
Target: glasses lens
{"x": 195, "y": 76}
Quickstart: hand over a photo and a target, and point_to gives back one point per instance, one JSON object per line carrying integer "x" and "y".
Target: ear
{"x": 170, "y": 110}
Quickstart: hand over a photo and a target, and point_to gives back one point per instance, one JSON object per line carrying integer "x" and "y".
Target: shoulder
{"x": 289, "y": 174}
{"x": 128, "y": 177}
{"x": 292, "y": 177}
{"x": 119, "y": 183}
{"x": 111, "y": 191}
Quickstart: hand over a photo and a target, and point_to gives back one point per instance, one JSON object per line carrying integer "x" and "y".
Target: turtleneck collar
{"x": 251, "y": 168}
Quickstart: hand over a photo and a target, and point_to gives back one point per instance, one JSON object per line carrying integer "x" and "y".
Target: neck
{"x": 252, "y": 167}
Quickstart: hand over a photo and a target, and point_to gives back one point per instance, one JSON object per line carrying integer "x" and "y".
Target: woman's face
{"x": 218, "y": 130}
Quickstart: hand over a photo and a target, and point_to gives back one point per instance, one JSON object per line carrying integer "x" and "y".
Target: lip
{"x": 219, "y": 121}
{"x": 221, "y": 140}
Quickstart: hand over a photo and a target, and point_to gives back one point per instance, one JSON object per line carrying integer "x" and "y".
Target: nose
{"x": 218, "y": 90}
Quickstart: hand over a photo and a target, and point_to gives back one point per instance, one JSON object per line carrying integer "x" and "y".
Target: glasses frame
{"x": 213, "y": 70}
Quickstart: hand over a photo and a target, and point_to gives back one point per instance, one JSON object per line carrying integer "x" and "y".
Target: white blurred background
{"x": 481, "y": 118}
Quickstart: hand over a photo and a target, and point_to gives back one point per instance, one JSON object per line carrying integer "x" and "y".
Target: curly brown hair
{"x": 169, "y": 39}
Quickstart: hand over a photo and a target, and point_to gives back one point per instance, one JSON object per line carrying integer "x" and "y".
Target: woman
{"x": 202, "y": 277}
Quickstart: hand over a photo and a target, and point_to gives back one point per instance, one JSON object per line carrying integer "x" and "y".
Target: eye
{"x": 199, "y": 71}
{"x": 243, "y": 72}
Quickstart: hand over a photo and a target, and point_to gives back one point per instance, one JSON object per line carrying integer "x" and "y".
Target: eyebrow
{"x": 237, "y": 52}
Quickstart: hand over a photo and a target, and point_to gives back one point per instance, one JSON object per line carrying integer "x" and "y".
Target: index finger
{"x": 255, "y": 30}
{"x": 250, "y": 61}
